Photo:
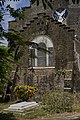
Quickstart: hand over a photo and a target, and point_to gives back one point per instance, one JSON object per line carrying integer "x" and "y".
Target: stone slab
{"x": 22, "y": 105}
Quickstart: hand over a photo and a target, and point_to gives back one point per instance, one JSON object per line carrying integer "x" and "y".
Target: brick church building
{"x": 59, "y": 69}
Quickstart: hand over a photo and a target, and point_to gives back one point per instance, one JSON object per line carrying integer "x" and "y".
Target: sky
{"x": 14, "y": 4}
{"x": 7, "y": 17}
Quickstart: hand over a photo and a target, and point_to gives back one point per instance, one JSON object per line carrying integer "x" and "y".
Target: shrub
{"x": 24, "y": 92}
{"x": 7, "y": 116}
{"x": 56, "y": 102}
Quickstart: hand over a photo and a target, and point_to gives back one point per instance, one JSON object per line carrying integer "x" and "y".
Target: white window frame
{"x": 47, "y": 41}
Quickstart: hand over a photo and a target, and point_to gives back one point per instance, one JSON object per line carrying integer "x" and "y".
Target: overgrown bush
{"x": 24, "y": 92}
{"x": 77, "y": 97}
{"x": 57, "y": 102}
{"x": 7, "y": 116}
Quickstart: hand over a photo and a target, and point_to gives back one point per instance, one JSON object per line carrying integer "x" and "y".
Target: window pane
{"x": 31, "y": 57}
{"x": 75, "y": 1}
{"x": 51, "y": 56}
{"x": 41, "y": 56}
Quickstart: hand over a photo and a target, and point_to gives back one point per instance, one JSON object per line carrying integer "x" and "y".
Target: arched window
{"x": 42, "y": 58}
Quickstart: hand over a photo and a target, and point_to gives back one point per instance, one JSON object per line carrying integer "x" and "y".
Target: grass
{"x": 31, "y": 114}
{"x": 76, "y": 108}
{"x": 27, "y": 114}
{"x": 4, "y": 105}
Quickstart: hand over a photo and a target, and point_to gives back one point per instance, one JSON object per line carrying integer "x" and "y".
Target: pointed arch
{"x": 43, "y": 38}
{"x": 43, "y": 59}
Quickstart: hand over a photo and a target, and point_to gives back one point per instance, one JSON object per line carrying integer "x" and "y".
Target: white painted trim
{"x": 68, "y": 79}
{"x": 47, "y": 59}
{"x": 69, "y": 70}
{"x": 47, "y": 41}
{"x": 66, "y": 88}
{"x": 43, "y": 67}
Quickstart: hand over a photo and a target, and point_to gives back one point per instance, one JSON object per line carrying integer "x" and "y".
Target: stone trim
{"x": 42, "y": 67}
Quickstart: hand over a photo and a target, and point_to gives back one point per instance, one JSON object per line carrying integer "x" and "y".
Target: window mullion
{"x": 36, "y": 58}
{"x": 47, "y": 58}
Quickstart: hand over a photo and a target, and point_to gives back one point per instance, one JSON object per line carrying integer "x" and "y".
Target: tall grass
{"x": 56, "y": 102}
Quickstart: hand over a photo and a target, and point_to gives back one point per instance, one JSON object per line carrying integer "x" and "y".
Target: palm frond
{"x": 44, "y": 2}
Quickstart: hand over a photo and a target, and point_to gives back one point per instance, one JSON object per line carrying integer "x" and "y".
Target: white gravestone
{"x": 22, "y": 105}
